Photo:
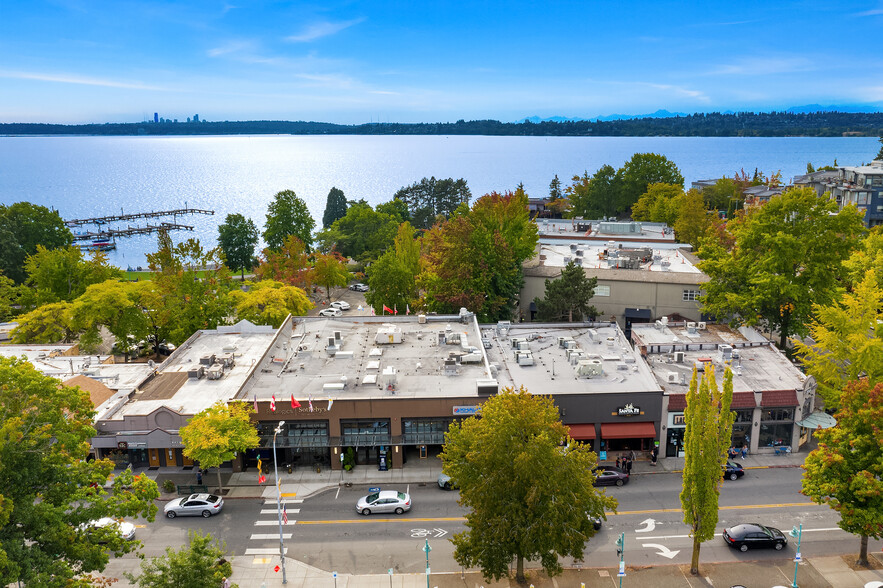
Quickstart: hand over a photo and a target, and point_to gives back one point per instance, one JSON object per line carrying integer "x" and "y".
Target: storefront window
{"x": 742, "y": 427}
{"x": 427, "y": 431}
{"x": 365, "y": 432}
{"x": 776, "y": 427}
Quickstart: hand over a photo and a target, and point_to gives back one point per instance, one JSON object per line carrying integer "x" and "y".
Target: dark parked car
{"x": 754, "y": 536}
{"x": 609, "y": 475}
{"x": 733, "y": 471}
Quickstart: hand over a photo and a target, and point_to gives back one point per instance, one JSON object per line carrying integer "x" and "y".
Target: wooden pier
{"x": 103, "y": 220}
{"x": 129, "y": 231}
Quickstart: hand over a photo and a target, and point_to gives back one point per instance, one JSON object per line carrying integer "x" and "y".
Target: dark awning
{"x": 582, "y": 432}
{"x": 627, "y": 430}
{"x": 641, "y": 313}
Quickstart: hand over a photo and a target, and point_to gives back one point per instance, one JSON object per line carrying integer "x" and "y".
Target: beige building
{"x": 643, "y": 274}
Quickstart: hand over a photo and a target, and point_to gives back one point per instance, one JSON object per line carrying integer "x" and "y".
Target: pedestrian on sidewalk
{"x": 618, "y": 462}
{"x": 744, "y": 451}
{"x": 199, "y": 477}
{"x": 654, "y": 455}
{"x": 628, "y": 465}
{"x": 225, "y": 583}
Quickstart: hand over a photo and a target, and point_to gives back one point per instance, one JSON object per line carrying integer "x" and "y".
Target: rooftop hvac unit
{"x": 524, "y": 358}
{"x": 660, "y": 325}
{"x": 679, "y": 357}
{"x": 672, "y": 378}
{"x": 196, "y": 372}
{"x": 573, "y": 246}
{"x": 589, "y": 368}
{"x": 450, "y": 367}
{"x": 487, "y": 387}
{"x": 421, "y": 319}
{"x": 337, "y": 335}
{"x": 579, "y": 252}
{"x": 664, "y": 320}
{"x": 622, "y": 366}
{"x": 390, "y": 375}
{"x": 726, "y": 352}
{"x": 516, "y": 341}
{"x": 691, "y": 328}
{"x": 216, "y": 372}
{"x": 524, "y": 346}
{"x": 207, "y": 359}
{"x": 566, "y": 259}
{"x": 701, "y": 325}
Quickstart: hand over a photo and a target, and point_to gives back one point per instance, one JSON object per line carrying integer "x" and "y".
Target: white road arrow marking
{"x": 440, "y": 533}
{"x": 663, "y": 550}
{"x": 650, "y": 524}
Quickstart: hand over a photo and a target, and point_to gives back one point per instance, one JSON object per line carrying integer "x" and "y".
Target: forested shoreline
{"x": 714, "y": 124}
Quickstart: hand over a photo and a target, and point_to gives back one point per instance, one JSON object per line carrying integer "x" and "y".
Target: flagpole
{"x": 279, "y": 501}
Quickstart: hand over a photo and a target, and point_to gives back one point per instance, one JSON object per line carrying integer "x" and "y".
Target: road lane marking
{"x": 260, "y": 560}
{"x": 264, "y": 551}
{"x": 268, "y": 523}
{"x": 269, "y": 536}
{"x": 737, "y": 507}
{"x": 267, "y": 511}
{"x": 289, "y": 494}
{"x": 376, "y": 520}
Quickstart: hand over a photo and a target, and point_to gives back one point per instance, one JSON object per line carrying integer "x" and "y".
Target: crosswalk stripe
{"x": 264, "y": 551}
{"x": 267, "y": 511}
{"x": 269, "y": 523}
{"x": 272, "y": 501}
{"x": 267, "y": 537}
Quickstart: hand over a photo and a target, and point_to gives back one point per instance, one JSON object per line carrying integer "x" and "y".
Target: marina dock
{"x": 103, "y": 220}
{"x": 104, "y": 239}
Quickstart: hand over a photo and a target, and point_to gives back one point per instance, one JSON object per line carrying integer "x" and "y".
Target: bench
{"x": 188, "y": 489}
{"x": 782, "y": 450}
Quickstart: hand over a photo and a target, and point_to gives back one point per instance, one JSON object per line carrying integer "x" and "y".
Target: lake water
{"x": 98, "y": 176}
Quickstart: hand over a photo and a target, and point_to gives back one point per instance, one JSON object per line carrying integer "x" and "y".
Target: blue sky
{"x": 75, "y": 61}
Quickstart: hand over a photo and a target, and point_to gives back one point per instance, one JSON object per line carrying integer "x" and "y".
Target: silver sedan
{"x": 385, "y": 501}
{"x": 195, "y": 505}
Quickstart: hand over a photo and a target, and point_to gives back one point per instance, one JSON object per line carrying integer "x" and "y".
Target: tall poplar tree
{"x": 709, "y": 429}
{"x": 335, "y": 207}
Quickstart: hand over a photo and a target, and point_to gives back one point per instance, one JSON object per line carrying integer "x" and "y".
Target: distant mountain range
{"x": 806, "y": 109}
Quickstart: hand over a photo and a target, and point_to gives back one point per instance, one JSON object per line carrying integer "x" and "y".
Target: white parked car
{"x": 332, "y": 312}
{"x": 124, "y": 528}
{"x": 341, "y": 305}
{"x": 359, "y": 287}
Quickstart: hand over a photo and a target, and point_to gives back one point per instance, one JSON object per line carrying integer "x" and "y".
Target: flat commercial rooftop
{"x": 175, "y": 384}
{"x": 358, "y": 357}
{"x": 635, "y": 257}
{"x": 555, "y": 355}
{"x": 759, "y": 366}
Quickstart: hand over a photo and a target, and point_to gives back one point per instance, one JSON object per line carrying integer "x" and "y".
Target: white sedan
{"x": 330, "y": 312}
{"x": 340, "y": 305}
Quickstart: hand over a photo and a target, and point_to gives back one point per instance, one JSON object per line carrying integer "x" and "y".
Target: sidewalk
{"x": 258, "y": 572}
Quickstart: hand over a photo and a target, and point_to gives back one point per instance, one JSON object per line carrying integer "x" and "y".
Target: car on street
{"x": 733, "y": 471}
{"x": 359, "y": 287}
{"x": 384, "y": 501}
{"x": 610, "y": 476}
{"x": 445, "y": 482}
{"x": 124, "y": 528}
{"x": 754, "y": 536}
{"x": 340, "y": 305}
{"x": 330, "y": 312}
{"x": 195, "y": 505}
{"x": 596, "y": 522}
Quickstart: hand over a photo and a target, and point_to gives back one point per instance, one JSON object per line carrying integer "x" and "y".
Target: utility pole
{"x": 427, "y": 549}
{"x": 279, "y": 503}
{"x": 620, "y": 551}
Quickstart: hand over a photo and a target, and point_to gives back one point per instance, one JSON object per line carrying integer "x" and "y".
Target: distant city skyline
{"x": 75, "y": 61}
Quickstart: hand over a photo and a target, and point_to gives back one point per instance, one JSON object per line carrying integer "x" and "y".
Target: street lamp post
{"x": 427, "y": 549}
{"x": 279, "y": 502}
{"x": 796, "y": 532}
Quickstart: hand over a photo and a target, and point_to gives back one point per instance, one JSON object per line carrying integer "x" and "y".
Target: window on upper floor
{"x": 691, "y": 295}
{"x": 602, "y": 290}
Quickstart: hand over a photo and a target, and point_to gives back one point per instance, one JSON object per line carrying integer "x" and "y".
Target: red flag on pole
{"x": 387, "y": 309}
{"x": 294, "y": 403}
{"x": 255, "y": 402}
{"x": 273, "y": 403}
{"x": 284, "y": 515}
{"x": 407, "y": 309}
{"x": 395, "y": 308}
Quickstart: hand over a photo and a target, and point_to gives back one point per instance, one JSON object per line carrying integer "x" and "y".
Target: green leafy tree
{"x": 49, "y": 323}
{"x": 202, "y": 562}
{"x": 568, "y": 297}
{"x": 848, "y": 341}
{"x": 593, "y": 197}
{"x": 846, "y": 471}
{"x": 111, "y": 304}
{"x": 335, "y": 207}
{"x": 49, "y": 491}
{"x": 288, "y": 215}
{"x": 268, "y": 302}
{"x": 643, "y": 169}
{"x": 194, "y": 287}
{"x": 868, "y": 256}
{"x": 707, "y": 436}
{"x": 395, "y": 208}
{"x": 62, "y": 274}
{"x": 237, "y": 238}
{"x": 659, "y": 204}
{"x": 329, "y": 270}
{"x": 9, "y": 297}
{"x": 430, "y": 198}
{"x": 362, "y": 234}
{"x": 291, "y": 264}
{"x": 215, "y": 435}
{"x": 695, "y": 224}
{"x": 788, "y": 256}
{"x": 473, "y": 260}
{"x": 722, "y": 194}
{"x": 393, "y": 277}
{"x": 24, "y": 226}
{"x": 526, "y": 485}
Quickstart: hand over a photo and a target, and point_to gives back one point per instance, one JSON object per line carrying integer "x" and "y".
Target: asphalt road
{"x": 326, "y": 532}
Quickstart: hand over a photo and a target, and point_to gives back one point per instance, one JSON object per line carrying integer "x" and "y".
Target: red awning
{"x": 627, "y": 430}
{"x": 582, "y": 432}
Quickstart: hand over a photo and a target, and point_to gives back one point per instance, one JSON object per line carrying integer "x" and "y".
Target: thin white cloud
{"x": 677, "y": 90}
{"x": 322, "y": 29}
{"x": 764, "y": 66}
{"x": 872, "y": 12}
{"x": 231, "y": 47}
{"x": 77, "y": 80}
